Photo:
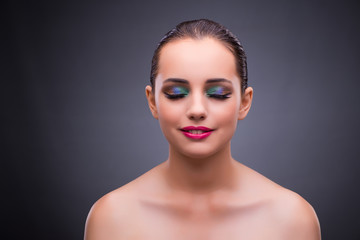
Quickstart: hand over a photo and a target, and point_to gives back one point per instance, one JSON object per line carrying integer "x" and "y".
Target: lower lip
{"x": 197, "y": 136}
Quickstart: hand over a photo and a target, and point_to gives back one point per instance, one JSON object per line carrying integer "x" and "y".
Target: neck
{"x": 200, "y": 175}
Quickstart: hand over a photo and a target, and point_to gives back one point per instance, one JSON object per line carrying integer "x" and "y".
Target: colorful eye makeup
{"x": 176, "y": 92}
{"x": 218, "y": 92}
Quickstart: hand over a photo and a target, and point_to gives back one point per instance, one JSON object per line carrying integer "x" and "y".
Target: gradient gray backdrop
{"x": 76, "y": 125}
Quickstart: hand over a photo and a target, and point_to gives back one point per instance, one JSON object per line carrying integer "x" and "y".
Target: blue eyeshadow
{"x": 218, "y": 90}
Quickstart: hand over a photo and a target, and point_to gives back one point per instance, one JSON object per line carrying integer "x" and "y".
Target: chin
{"x": 198, "y": 152}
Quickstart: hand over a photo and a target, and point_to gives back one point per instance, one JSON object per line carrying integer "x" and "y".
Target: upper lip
{"x": 201, "y": 128}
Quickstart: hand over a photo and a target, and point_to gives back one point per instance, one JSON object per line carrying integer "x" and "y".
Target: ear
{"x": 151, "y": 101}
{"x": 245, "y": 104}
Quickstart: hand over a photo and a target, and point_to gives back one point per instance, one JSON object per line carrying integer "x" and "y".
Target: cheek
{"x": 227, "y": 114}
{"x": 169, "y": 113}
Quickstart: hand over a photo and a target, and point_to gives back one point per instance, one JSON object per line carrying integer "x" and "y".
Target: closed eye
{"x": 175, "y": 96}
{"x": 218, "y": 92}
{"x": 219, "y": 96}
{"x": 176, "y": 92}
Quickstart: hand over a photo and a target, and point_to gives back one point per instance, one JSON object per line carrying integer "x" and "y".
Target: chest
{"x": 204, "y": 224}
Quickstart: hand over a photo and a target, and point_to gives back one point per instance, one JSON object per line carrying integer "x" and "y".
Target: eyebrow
{"x": 184, "y": 81}
{"x": 216, "y": 80}
{"x": 176, "y": 80}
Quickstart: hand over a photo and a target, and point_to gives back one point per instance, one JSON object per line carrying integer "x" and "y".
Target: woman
{"x": 198, "y": 93}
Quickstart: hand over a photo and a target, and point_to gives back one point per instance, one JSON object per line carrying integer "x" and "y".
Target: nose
{"x": 197, "y": 109}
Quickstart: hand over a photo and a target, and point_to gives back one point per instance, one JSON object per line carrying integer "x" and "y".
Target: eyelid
{"x": 175, "y": 92}
{"x": 218, "y": 90}
{"x": 176, "y": 89}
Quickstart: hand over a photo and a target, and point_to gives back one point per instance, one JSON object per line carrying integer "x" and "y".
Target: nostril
{"x": 197, "y": 117}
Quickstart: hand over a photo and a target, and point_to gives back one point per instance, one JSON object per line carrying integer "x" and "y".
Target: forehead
{"x": 199, "y": 59}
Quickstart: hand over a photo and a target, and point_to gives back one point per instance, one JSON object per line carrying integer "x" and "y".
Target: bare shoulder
{"x": 110, "y": 215}
{"x": 116, "y": 214}
{"x": 290, "y": 215}
{"x": 296, "y": 217}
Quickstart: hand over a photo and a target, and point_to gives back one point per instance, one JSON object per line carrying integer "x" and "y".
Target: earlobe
{"x": 245, "y": 104}
{"x": 151, "y": 101}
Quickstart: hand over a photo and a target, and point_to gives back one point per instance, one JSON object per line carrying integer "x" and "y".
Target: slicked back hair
{"x": 199, "y": 29}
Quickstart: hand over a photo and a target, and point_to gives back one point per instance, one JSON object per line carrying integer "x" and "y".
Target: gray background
{"x": 75, "y": 123}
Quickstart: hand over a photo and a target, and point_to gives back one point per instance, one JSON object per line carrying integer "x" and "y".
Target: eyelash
{"x": 219, "y": 96}
{"x": 174, "y": 96}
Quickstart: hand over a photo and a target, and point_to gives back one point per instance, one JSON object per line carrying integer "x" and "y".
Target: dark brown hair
{"x": 198, "y": 29}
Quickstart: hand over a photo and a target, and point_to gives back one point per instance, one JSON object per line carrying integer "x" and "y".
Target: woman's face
{"x": 197, "y": 97}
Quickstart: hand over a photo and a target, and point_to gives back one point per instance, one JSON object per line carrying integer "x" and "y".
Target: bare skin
{"x": 200, "y": 192}
{"x": 255, "y": 208}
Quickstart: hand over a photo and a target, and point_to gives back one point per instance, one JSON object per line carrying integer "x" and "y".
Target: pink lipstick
{"x": 199, "y": 132}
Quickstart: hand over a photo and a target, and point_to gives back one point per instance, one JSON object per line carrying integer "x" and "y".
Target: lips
{"x": 199, "y": 132}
